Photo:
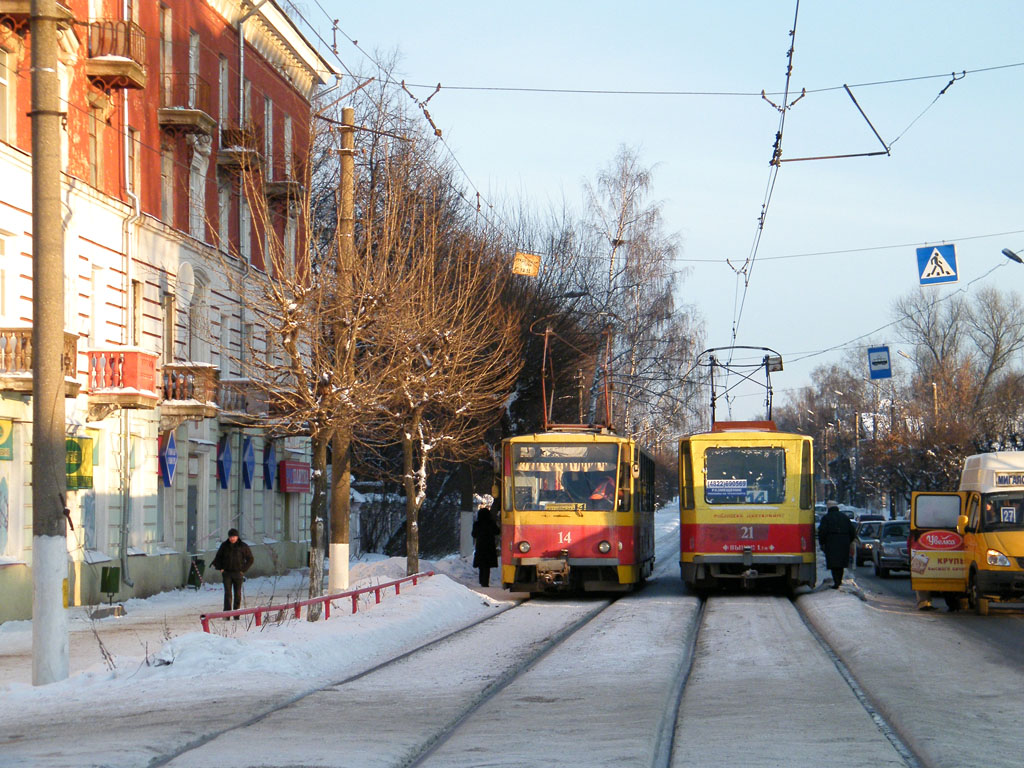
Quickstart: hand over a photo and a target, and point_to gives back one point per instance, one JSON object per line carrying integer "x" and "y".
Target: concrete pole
{"x": 49, "y": 482}
{"x": 341, "y": 445}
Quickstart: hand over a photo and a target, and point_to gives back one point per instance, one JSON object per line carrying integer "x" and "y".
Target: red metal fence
{"x": 326, "y": 600}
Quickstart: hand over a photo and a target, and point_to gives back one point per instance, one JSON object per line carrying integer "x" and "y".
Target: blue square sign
{"x": 879, "y": 364}
{"x": 936, "y": 264}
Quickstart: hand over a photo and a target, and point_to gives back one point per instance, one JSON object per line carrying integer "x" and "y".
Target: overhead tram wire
{"x": 387, "y": 81}
{"x": 739, "y": 94}
{"x": 740, "y": 298}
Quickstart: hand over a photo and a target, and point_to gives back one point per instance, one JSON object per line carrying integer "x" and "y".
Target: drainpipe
{"x": 127, "y": 233}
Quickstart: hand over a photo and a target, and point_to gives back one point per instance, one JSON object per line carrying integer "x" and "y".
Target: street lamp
{"x": 1012, "y": 256}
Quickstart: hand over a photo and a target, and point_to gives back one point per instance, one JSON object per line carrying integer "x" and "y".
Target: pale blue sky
{"x": 956, "y": 173}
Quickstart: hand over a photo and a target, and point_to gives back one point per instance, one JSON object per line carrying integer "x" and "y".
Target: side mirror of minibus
{"x": 961, "y": 524}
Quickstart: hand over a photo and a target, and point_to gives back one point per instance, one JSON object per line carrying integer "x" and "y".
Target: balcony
{"x": 16, "y": 14}
{"x": 189, "y": 392}
{"x": 285, "y": 190}
{"x": 123, "y": 377}
{"x": 16, "y": 362}
{"x": 241, "y": 146}
{"x": 185, "y": 105}
{"x": 117, "y": 52}
{"x": 241, "y": 402}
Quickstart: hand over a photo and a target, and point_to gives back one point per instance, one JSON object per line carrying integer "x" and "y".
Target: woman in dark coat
{"x": 836, "y": 533}
{"x": 484, "y": 532}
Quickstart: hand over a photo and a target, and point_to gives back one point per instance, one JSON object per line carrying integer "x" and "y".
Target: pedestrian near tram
{"x": 233, "y": 559}
{"x": 484, "y": 532}
{"x": 836, "y": 533}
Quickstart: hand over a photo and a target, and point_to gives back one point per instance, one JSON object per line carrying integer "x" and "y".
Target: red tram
{"x": 577, "y": 512}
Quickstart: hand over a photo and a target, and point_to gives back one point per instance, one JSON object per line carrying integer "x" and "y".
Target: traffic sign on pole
{"x": 936, "y": 264}
{"x": 879, "y": 364}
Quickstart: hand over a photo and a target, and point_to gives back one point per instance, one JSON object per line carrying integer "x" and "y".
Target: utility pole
{"x": 49, "y": 481}
{"x": 341, "y": 457}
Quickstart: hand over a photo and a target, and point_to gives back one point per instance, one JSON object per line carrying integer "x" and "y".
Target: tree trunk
{"x": 412, "y": 499}
{"x": 316, "y": 567}
{"x": 341, "y": 476}
{"x": 318, "y": 511}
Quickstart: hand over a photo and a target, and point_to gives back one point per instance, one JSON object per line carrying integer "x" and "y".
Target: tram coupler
{"x": 553, "y": 574}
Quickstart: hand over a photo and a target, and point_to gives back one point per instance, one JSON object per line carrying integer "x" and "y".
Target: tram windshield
{"x": 745, "y": 475}
{"x": 565, "y": 476}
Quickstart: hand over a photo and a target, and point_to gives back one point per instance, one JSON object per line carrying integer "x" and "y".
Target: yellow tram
{"x": 746, "y": 500}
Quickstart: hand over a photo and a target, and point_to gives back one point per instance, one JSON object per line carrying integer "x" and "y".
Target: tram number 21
{"x": 565, "y": 537}
{"x": 751, "y": 532}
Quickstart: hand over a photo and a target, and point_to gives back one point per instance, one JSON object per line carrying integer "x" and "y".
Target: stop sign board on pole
{"x": 879, "y": 365}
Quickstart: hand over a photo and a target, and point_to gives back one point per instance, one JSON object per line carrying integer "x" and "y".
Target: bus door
{"x": 938, "y": 561}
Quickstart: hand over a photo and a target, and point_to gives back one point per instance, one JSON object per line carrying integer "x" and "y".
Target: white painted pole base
{"x": 50, "y": 649}
{"x": 338, "y": 573}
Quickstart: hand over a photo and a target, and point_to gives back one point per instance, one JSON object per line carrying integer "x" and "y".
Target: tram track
{"x": 886, "y": 728}
{"x": 765, "y": 687}
{"x": 541, "y": 627}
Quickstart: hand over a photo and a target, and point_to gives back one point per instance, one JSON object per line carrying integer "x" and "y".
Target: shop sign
{"x": 293, "y": 476}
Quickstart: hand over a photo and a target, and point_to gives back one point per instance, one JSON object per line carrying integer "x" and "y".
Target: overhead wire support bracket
{"x": 886, "y": 148}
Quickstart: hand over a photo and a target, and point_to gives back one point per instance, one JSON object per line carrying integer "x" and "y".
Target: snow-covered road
{"x": 761, "y": 691}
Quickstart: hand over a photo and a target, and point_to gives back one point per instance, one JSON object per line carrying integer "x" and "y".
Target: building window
{"x": 222, "y": 86}
{"x": 95, "y": 119}
{"x": 244, "y": 229}
{"x": 287, "y": 146}
{"x": 193, "y": 68}
{"x": 290, "y": 228}
{"x": 131, "y": 177}
{"x": 166, "y": 51}
{"x": 246, "y": 108}
{"x": 223, "y": 212}
{"x": 170, "y": 323}
{"x": 137, "y": 301}
{"x": 268, "y": 134}
{"x": 167, "y": 185}
{"x": 6, "y": 83}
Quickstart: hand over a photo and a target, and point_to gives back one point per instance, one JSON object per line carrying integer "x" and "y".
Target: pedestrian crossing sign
{"x": 936, "y": 264}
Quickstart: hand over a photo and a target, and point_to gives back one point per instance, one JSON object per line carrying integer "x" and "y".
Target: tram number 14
{"x": 565, "y": 537}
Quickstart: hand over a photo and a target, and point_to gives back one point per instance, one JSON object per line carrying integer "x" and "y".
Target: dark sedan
{"x": 866, "y": 541}
{"x": 891, "y": 553}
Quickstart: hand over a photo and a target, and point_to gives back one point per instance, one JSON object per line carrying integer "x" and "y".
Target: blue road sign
{"x": 879, "y": 364}
{"x": 936, "y": 264}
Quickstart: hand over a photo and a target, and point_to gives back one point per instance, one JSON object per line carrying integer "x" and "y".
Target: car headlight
{"x": 995, "y": 557}
{"x": 524, "y": 547}
{"x": 869, "y": 545}
{"x": 604, "y": 547}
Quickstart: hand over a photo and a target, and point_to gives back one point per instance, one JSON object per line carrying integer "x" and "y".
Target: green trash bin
{"x": 110, "y": 581}
{"x": 196, "y": 570}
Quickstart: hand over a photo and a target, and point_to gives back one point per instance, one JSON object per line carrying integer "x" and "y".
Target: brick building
{"x": 165, "y": 104}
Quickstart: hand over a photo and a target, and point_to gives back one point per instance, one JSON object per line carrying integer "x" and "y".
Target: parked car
{"x": 891, "y": 553}
{"x": 866, "y": 541}
{"x": 870, "y": 516}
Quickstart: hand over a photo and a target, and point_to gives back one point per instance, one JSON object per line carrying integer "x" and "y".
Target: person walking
{"x": 836, "y": 533}
{"x": 484, "y": 532}
{"x": 233, "y": 559}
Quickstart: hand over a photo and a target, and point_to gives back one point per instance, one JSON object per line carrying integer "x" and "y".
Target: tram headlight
{"x": 524, "y": 547}
{"x": 604, "y": 547}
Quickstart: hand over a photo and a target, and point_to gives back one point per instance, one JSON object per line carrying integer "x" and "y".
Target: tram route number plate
{"x": 752, "y": 532}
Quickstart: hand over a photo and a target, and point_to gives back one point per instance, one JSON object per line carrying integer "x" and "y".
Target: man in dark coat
{"x": 484, "y": 532}
{"x": 233, "y": 559}
{"x": 836, "y": 533}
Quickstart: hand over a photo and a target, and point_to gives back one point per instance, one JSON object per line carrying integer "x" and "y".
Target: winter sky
{"x": 839, "y": 238}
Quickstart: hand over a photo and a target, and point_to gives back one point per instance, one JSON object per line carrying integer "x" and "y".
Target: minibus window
{"x": 1002, "y": 512}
